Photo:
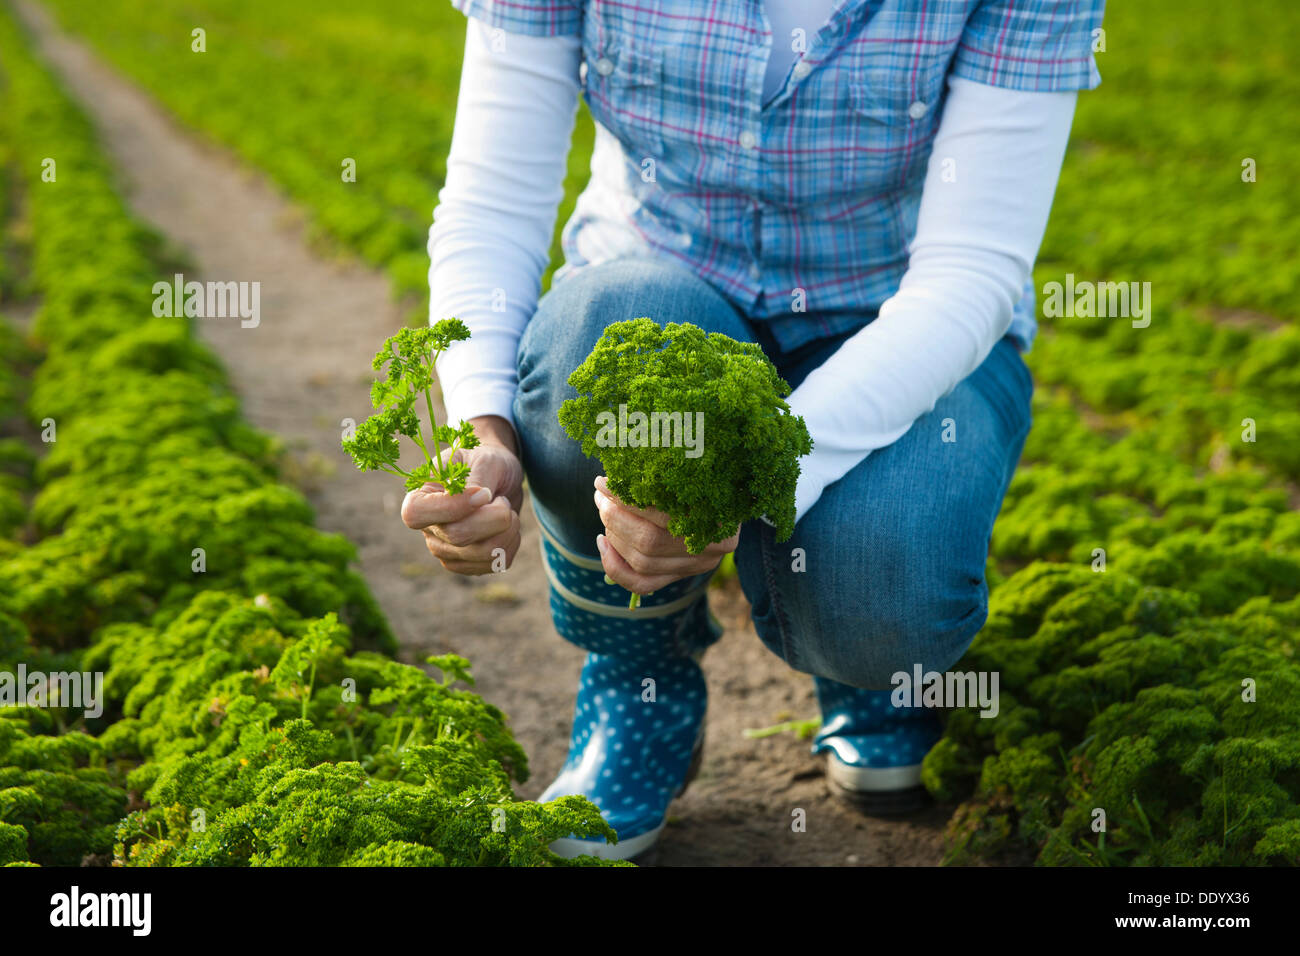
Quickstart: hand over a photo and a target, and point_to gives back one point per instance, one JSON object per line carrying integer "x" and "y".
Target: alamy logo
{"x": 949, "y": 689}
{"x": 79, "y": 690}
{"x": 133, "y": 910}
{"x": 656, "y": 430}
{"x": 209, "y": 300}
{"x": 1103, "y": 300}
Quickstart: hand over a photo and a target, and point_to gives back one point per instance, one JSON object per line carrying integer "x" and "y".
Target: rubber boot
{"x": 638, "y": 722}
{"x": 873, "y": 748}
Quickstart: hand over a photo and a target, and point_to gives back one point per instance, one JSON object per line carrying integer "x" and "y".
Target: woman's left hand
{"x": 639, "y": 553}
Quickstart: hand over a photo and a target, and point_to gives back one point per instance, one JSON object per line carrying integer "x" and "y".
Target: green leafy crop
{"x": 410, "y": 356}
{"x": 717, "y": 444}
{"x": 246, "y": 719}
{"x": 299, "y": 752}
{"x": 1121, "y": 689}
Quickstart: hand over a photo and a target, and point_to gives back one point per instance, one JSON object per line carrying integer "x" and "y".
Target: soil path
{"x": 305, "y": 368}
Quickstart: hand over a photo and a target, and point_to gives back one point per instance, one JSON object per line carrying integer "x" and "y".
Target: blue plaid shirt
{"x": 799, "y": 210}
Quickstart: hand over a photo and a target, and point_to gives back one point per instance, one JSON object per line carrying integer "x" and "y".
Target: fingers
{"x": 631, "y": 528}
{"x": 646, "y": 548}
{"x": 624, "y": 574}
{"x": 638, "y": 530}
{"x": 674, "y": 567}
{"x": 430, "y": 505}
{"x": 470, "y": 532}
{"x": 497, "y": 469}
{"x": 482, "y": 523}
{"x": 478, "y": 557}
{"x": 649, "y": 514}
{"x": 725, "y": 546}
{"x": 485, "y": 472}
{"x": 627, "y": 564}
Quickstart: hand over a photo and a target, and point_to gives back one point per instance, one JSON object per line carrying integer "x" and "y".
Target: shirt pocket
{"x": 624, "y": 91}
{"x": 893, "y": 118}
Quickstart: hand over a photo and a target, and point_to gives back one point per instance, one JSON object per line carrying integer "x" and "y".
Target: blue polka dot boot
{"x": 638, "y": 723}
{"x": 631, "y": 756}
{"x": 874, "y": 749}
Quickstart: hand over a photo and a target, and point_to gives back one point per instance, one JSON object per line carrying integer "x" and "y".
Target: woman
{"x": 860, "y": 186}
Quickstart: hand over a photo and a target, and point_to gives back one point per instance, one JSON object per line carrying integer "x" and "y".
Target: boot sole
{"x": 882, "y": 803}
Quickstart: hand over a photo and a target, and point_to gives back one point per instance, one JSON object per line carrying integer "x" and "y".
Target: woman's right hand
{"x": 470, "y": 532}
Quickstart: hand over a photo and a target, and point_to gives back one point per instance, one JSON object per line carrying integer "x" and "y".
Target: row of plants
{"x": 1144, "y": 568}
{"x": 1152, "y": 189}
{"x": 1148, "y": 671}
{"x": 15, "y": 458}
{"x": 371, "y": 83}
{"x": 251, "y": 712}
{"x": 1145, "y": 628}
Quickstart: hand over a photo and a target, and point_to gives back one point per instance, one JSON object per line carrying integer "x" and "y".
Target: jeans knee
{"x": 569, "y": 320}
{"x": 571, "y": 317}
{"x": 865, "y": 643}
{"x": 937, "y": 637}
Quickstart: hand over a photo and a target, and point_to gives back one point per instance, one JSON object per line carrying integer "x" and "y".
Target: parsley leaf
{"x": 407, "y": 362}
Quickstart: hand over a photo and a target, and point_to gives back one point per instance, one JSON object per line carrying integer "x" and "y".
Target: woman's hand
{"x": 463, "y": 531}
{"x": 639, "y": 553}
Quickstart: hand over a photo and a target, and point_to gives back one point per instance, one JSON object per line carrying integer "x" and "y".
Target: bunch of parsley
{"x": 746, "y": 465}
{"x": 410, "y": 356}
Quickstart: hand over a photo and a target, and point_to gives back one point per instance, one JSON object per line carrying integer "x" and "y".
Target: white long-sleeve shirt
{"x": 992, "y": 173}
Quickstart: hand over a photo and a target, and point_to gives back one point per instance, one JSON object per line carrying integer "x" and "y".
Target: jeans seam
{"x": 774, "y": 595}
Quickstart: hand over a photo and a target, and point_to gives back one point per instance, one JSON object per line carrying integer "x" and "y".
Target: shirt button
{"x": 754, "y": 271}
{"x": 801, "y": 69}
{"x": 917, "y": 110}
{"x": 748, "y": 140}
{"x": 604, "y": 66}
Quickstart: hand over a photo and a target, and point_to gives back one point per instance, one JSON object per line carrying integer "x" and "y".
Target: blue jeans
{"x": 894, "y": 551}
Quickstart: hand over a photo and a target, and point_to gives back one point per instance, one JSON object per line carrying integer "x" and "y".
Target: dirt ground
{"x": 306, "y": 367}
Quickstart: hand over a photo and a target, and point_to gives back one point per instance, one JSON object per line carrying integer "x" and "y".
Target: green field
{"x": 1161, "y": 686}
{"x": 251, "y": 712}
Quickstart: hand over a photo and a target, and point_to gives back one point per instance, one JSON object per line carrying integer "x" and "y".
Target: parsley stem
{"x": 419, "y": 440}
{"x": 435, "y": 464}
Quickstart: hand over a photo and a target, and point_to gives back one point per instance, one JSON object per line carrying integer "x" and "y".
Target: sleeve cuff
{"x": 471, "y": 399}
{"x": 539, "y": 18}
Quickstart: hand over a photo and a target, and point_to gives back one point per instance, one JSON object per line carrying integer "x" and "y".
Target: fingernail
{"x": 481, "y": 497}
{"x": 600, "y": 543}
